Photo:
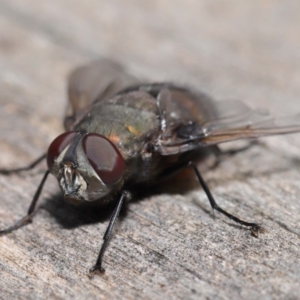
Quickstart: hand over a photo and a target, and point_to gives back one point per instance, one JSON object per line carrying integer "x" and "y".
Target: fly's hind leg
{"x": 220, "y": 154}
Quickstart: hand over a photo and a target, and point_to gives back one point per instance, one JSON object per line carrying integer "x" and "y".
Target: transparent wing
{"x": 232, "y": 120}
{"x": 253, "y": 125}
{"x": 92, "y": 83}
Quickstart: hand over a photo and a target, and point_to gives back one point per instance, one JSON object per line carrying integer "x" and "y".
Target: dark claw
{"x": 96, "y": 270}
{"x": 256, "y": 230}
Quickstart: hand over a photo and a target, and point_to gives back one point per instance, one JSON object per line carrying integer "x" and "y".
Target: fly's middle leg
{"x": 254, "y": 227}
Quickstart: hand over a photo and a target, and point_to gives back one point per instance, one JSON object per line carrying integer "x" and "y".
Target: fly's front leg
{"x": 26, "y": 168}
{"x": 27, "y": 219}
{"x": 255, "y": 228}
{"x": 97, "y": 268}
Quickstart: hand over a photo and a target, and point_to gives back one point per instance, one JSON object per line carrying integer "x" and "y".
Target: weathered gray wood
{"x": 169, "y": 246}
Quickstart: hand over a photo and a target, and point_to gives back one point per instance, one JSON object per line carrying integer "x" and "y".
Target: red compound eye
{"x": 104, "y": 157}
{"x": 58, "y": 145}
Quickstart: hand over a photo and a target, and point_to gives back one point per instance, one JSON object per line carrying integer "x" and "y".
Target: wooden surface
{"x": 169, "y": 245}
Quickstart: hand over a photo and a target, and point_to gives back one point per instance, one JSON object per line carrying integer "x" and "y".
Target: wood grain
{"x": 168, "y": 245}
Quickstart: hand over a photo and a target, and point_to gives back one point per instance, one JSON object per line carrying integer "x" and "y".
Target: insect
{"x": 121, "y": 133}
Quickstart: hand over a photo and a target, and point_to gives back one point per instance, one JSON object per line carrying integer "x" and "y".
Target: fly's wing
{"x": 92, "y": 83}
{"x": 228, "y": 120}
{"x": 249, "y": 123}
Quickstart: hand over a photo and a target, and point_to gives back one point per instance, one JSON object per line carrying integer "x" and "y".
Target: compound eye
{"x": 58, "y": 145}
{"x": 104, "y": 157}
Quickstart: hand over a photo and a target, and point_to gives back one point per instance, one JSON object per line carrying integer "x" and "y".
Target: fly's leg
{"x": 228, "y": 153}
{"x": 255, "y": 228}
{"x": 27, "y": 219}
{"x": 29, "y": 167}
{"x": 238, "y": 150}
{"x": 97, "y": 268}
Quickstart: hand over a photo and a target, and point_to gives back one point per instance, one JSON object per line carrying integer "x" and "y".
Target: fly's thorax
{"x": 87, "y": 166}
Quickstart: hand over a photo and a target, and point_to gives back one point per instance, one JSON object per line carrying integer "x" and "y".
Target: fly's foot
{"x": 96, "y": 270}
{"x": 256, "y": 230}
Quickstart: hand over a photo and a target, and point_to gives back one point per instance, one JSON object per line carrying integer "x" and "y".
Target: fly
{"x": 121, "y": 133}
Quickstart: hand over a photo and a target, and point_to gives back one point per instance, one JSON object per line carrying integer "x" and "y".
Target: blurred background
{"x": 247, "y": 50}
{"x": 229, "y": 49}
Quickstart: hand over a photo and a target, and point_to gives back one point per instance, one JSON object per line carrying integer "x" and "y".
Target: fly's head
{"x": 87, "y": 166}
